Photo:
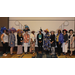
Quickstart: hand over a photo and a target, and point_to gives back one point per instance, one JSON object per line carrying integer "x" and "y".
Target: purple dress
{"x": 11, "y": 40}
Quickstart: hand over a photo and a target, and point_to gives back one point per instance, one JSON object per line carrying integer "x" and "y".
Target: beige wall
{"x": 52, "y": 23}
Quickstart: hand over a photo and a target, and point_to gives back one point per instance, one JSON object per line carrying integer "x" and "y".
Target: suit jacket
{"x": 40, "y": 39}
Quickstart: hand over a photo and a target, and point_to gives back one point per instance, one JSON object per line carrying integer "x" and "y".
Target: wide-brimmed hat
{"x": 26, "y": 28}
{"x": 33, "y": 31}
{"x": 46, "y": 30}
{"x": 2, "y": 30}
{"x": 19, "y": 30}
{"x": 58, "y": 30}
{"x": 12, "y": 29}
{"x": 52, "y": 31}
{"x": 65, "y": 30}
{"x": 70, "y": 30}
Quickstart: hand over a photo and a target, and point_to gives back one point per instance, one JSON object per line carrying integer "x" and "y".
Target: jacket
{"x": 60, "y": 38}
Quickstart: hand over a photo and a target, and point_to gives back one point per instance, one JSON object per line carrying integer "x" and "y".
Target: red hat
{"x": 65, "y": 30}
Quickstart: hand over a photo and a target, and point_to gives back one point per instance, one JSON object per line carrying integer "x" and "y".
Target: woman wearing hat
{"x": 26, "y": 38}
{"x": 59, "y": 41}
{"x": 46, "y": 40}
{"x": 4, "y": 40}
{"x": 12, "y": 39}
{"x": 65, "y": 41}
{"x": 71, "y": 41}
{"x": 40, "y": 40}
{"x": 52, "y": 41}
{"x": 19, "y": 41}
{"x": 32, "y": 42}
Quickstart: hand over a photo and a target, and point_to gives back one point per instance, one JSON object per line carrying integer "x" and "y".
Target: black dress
{"x": 40, "y": 44}
{"x": 19, "y": 39}
{"x": 52, "y": 38}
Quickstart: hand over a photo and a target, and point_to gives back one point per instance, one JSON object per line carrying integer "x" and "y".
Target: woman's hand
{"x": 71, "y": 43}
{"x": 21, "y": 41}
{"x": 59, "y": 43}
{"x": 3, "y": 42}
{"x": 11, "y": 43}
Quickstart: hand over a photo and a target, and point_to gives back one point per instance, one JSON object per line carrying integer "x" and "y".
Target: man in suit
{"x": 40, "y": 40}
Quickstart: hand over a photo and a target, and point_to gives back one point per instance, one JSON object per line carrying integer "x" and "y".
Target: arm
{"x": 72, "y": 40}
{"x": 61, "y": 38}
{"x": 10, "y": 38}
{"x": 66, "y": 39}
{"x": 2, "y": 38}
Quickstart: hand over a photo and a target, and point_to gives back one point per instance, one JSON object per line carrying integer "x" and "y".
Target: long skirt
{"x": 19, "y": 49}
{"x": 65, "y": 47}
{"x": 32, "y": 46}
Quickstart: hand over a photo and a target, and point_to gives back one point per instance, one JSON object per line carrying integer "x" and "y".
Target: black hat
{"x": 65, "y": 30}
{"x": 70, "y": 30}
{"x": 41, "y": 30}
{"x": 26, "y": 30}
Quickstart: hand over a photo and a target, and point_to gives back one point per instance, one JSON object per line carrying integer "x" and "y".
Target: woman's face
{"x": 19, "y": 32}
{"x": 32, "y": 32}
{"x": 71, "y": 32}
{"x": 59, "y": 31}
{"x": 39, "y": 32}
{"x": 26, "y": 32}
{"x": 12, "y": 31}
{"x": 52, "y": 33}
{"x": 5, "y": 31}
{"x": 64, "y": 32}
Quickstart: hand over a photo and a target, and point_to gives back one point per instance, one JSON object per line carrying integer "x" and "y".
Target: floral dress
{"x": 46, "y": 42}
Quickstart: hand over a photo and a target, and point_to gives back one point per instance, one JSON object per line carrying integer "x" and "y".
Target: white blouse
{"x": 32, "y": 36}
{"x": 5, "y": 38}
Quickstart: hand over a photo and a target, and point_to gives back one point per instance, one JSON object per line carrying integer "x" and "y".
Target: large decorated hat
{"x": 19, "y": 30}
{"x": 65, "y": 30}
{"x": 12, "y": 29}
{"x": 2, "y": 30}
{"x": 70, "y": 30}
{"x": 58, "y": 30}
{"x": 33, "y": 31}
{"x": 26, "y": 28}
{"x": 46, "y": 30}
{"x": 52, "y": 31}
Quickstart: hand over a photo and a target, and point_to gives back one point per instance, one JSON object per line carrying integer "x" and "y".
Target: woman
{"x": 40, "y": 40}
{"x": 71, "y": 41}
{"x": 32, "y": 42}
{"x": 65, "y": 41}
{"x": 4, "y": 40}
{"x": 19, "y": 41}
{"x": 59, "y": 41}
{"x": 26, "y": 38}
{"x": 46, "y": 41}
{"x": 12, "y": 39}
{"x": 52, "y": 41}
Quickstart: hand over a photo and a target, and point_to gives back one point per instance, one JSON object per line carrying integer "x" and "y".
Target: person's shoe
{"x": 58, "y": 54}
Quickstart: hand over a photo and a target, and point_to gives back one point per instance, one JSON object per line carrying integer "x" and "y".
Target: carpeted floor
{"x": 36, "y": 55}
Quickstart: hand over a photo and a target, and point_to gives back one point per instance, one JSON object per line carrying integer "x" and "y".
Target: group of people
{"x": 44, "y": 41}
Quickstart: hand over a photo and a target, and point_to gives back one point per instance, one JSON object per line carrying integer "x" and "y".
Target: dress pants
{"x": 25, "y": 47}
{"x": 59, "y": 48}
{"x": 40, "y": 46}
{"x": 5, "y": 46}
